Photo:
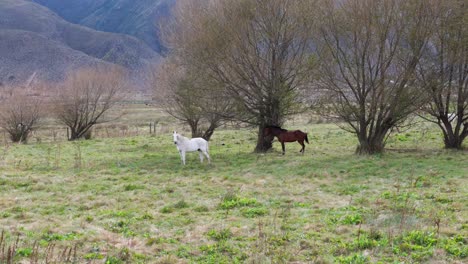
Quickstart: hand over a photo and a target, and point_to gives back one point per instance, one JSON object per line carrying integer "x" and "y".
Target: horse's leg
{"x": 182, "y": 154}
{"x": 303, "y": 146}
{"x": 201, "y": 156}
{"x": 282, "y": 146}
{"x": 207, "y": 155}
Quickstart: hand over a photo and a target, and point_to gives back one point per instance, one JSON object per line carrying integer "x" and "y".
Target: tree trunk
{"x": 454, "y": 141}
{"x": 74, "y": 135}
{"x": 369, "y": 148}
{"x": 454, "y": 134}
{"x": 266, "y": 143}
{"x": 263, "y": 143}
{"x": 209, "y": 132}
{"x": 194, "y": 128}
{"x": 19, "y": 136}
{"x": 271, "y": 116}
{"x": 369, "y": 145}
{"x": 77, "y": 133}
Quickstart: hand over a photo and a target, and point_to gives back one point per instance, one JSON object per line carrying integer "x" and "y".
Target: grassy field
{"x": 129, "y": 200}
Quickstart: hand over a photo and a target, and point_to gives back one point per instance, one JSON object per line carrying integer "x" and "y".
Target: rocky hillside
{"x": 139, "y": 18}
{"x": 35, "y": 40}
{"x": 24, "y": 54}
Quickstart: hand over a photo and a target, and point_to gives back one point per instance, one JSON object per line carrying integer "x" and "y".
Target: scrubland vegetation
{"x": 129, "y": 199}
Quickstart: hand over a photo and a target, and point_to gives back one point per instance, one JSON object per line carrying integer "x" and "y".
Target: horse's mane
{"x": 182, "y": 137}
{"x": 276, "y": 127}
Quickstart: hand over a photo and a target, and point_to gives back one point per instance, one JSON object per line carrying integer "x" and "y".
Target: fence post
{"x": 154, "y": 126}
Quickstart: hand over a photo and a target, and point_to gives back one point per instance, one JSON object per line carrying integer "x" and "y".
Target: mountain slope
{"x": 115, "y": 48}
{"x": 65, "y": 37}
{"x": 137, "y": 18}
{"x": 24, "y": 53}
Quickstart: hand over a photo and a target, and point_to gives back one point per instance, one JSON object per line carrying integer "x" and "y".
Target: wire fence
{"x": 60, "y": 133}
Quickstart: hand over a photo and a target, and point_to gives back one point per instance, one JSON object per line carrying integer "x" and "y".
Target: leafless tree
{"x": 189, "y": 96}
{"x": 368, "y": 52}
{"x": 443, "y": 71}
{"x": 86, "y": 97}
{"x": 258, "y": 50}
{"x": 20, "y": 115}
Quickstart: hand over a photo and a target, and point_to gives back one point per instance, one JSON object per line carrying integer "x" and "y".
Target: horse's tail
{"x": 306, "y": 138}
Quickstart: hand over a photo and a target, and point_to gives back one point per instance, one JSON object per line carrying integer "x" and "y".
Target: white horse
{"x": 189, "y": 145}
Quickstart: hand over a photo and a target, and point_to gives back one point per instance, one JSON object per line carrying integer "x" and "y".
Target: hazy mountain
{"x": 35, "y": 39}
{"x": 139, "y": 18}
{"x": 24, "y": 54}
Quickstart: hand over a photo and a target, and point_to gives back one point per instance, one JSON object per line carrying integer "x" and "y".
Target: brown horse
{"x": 284, "y": 135}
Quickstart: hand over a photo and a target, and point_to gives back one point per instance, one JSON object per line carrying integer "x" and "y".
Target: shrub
{"x": 254, "y": 212}
{"x": 456, "y": 246}
{"x": 221, "y": 235}
{"x": 181, "y": 204}
{"x": 353, "y": 259}
{"x": 234, "y": 201}
{"x": 19, "y": 116}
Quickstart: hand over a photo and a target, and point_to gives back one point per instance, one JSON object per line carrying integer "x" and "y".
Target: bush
{"x": 353, "y": 259}
{"x": 254, "y": 212}
{"x": 456, "y": 246}
{"x": 221, "y": 235}
{"x": 19, "y": 116}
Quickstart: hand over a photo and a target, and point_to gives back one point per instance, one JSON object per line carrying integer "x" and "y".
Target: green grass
{"x": 130, "y": 200}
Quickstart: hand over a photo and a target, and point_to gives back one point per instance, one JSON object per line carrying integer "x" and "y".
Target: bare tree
{"x": 190, "y": 97}
{"x": 85, "y": 98}
{"x": 369, "y": 50}
{"x": 258, "y": 50}
{"x": 172, "y": 90}
{"x": 20, "y": 115}
{"x": 443, "y": 71}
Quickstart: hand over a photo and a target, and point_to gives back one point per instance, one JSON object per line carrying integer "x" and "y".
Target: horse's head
{"x": 267, "y": 131}
{"x": 175, "y": 137}
{"x": 271, "y": 131}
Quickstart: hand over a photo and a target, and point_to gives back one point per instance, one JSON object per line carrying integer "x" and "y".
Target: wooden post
{"x": 154, "y": 127}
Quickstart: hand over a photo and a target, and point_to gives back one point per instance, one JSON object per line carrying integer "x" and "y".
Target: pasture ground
{"x": 129, "y": 200}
